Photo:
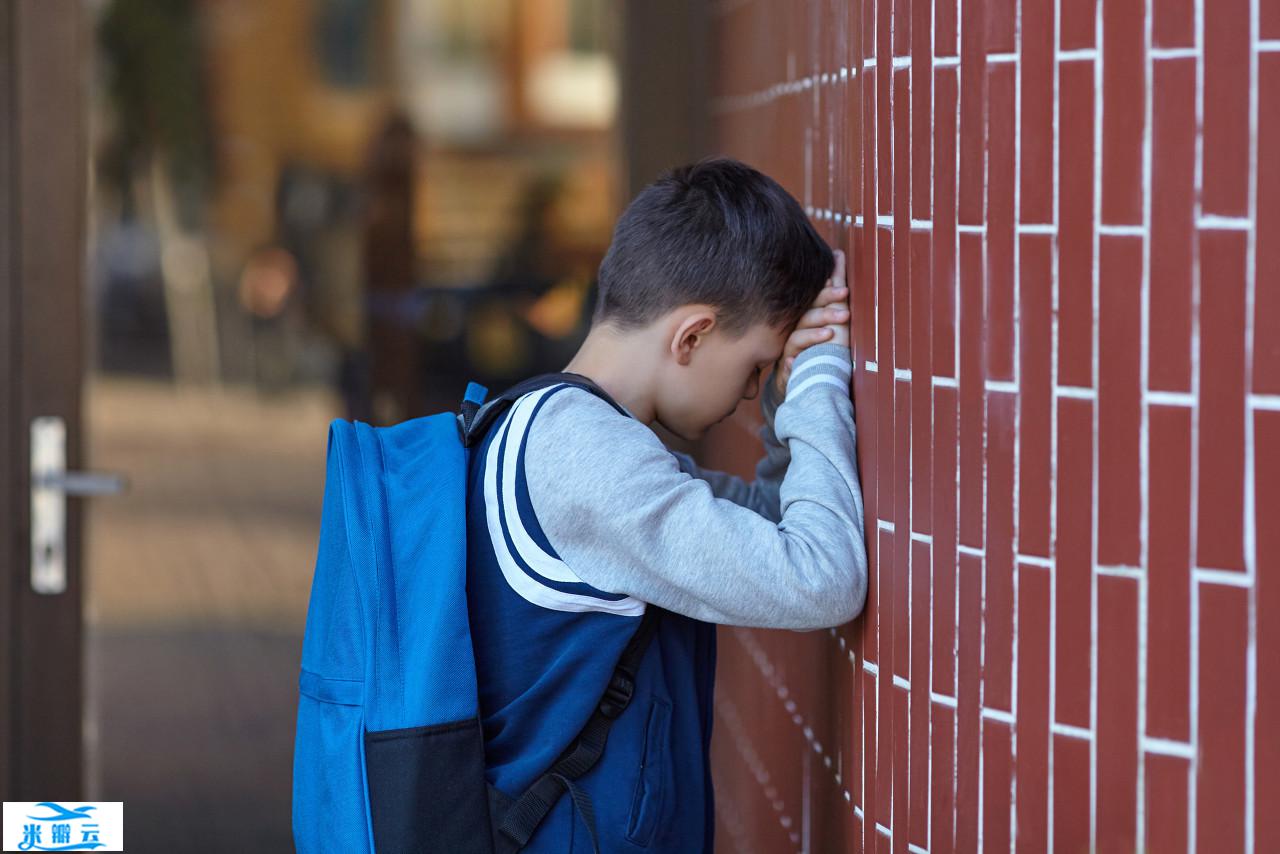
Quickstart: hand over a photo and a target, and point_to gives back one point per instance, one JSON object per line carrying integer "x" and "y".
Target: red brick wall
{"x": 1067, "y": 344}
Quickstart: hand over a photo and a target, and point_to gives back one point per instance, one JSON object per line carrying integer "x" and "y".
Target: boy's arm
{"x": 761, "y": 494}
{"x": 618, "y": 511}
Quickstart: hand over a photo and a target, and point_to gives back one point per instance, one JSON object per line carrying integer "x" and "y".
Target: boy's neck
{"x": 618, "y": 363}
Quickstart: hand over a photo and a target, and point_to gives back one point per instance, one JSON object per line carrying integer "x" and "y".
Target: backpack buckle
{"x": 617, "y": 695}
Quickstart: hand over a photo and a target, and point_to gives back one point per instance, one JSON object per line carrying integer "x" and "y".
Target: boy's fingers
{"x": 802, "y": 339}
{"x": 837, "y": 278}
{"x": 831, "y": 293}
{"x": 832, "y": 312}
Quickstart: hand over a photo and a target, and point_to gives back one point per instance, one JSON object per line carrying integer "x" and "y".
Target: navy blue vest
{"x": 546, "y": 644}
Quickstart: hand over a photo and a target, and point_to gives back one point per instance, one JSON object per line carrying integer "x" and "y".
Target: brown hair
{"x": 717, "y": 232}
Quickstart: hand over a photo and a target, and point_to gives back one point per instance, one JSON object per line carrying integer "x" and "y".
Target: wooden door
{"x": 42, "y": 217}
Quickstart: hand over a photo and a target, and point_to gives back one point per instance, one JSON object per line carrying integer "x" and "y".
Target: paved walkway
{"x": 198, "y": 580}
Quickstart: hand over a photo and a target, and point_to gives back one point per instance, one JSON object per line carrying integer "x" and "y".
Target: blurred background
{"x": 223, "y": 224}
{"x": 227, "y": 223}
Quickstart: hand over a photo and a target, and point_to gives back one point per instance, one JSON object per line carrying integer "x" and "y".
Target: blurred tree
{"x": 156, "y": 87}
{"x": 160, "y": 159}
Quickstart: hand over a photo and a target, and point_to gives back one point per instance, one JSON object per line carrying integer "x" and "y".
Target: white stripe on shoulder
{"x": 543, "y": 564}
{"x": 534, "y": 555}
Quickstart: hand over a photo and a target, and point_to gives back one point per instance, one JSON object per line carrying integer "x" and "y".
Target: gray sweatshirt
{"x": 628, "y": 515}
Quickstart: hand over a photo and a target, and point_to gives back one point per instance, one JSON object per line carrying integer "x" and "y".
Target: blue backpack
{"x": 389, "y": 752}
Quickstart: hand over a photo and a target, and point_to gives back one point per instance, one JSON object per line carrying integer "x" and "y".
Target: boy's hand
{"x": 827, "y": 322}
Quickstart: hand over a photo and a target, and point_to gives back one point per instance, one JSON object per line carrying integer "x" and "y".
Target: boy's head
{"x": 712, "y": 265}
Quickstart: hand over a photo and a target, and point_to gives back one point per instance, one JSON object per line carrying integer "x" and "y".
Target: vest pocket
{"x": 649, "y": 795}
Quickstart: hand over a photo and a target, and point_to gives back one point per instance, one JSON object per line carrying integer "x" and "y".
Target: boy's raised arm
{"x": 761, "y": 494}
{"x": 618, "y": 510}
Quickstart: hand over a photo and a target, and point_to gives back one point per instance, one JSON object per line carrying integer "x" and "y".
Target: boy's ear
{"x": 698, "y": 326}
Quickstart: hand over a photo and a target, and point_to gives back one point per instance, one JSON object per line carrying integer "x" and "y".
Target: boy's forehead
{"x": 772, "y": 340}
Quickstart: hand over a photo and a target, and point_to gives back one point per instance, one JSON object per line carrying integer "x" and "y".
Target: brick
{"x": 885, "y": 323}
{"x": 1070, "y": 794}
{"x": 1119, "y": 400}
{"x": 902, "y": 533}
{"x": 997, "y": 783}
{"x": 1078, "y": 27}
{"x": 1166, "y": 781}
{"x": 973, "y": 121}
{"x": 902, "y": 27}
{"x": 1074, "y": 569}
{"x": 870, "y": 154}
{"x": 884, "y": 104}
{"x": 1268, "y": 21}
{"x": 1173, "y": 151}
{"x": 921, "y": 384}
{"x": 834, "y": 36}
{"x": 901, "y": 757}
{"x": 943, "y": 266}
{"x": 1173, "y": 23}
{"x": 1169, "y": 574}
{"x": 1266, "y": 310}
{"x": 1001, "y": 19}
{"x": 867, "y": 396}
{"x": 1224, "y": 636}
{"x": 1075, "y": 228}
{"x": 921, "y": 116}
{"x": 969, "y": 702}
{"x": 1117, "y": 774}
{"x": 1219, "y": 525}
{"x": 944, "y": 540}
{"x": 882, "y": 782}
{"x": 820, "y": 163}
{"x": 1124, "y": 88}
{"x": 857, "y": 756}
{"x": 921, "y": 621}
{"x": 971, "y": 388}
{"x": 1032, "y": 727}
{"x": 902, "y": 216}
{"x": 997, "y": 656}
{"x": 942, "y": 745}
{"x": 1035, "y": 394}
{"x": 871, "y": 790}
{"x": 1226, "y": 109}
{"x": 1266, "y": 759}
{"x": 862, "y": 292}
{"x": 1037, "y": 102}
{"x": 1000, "y": 221}
{"x": 945, "y": 29}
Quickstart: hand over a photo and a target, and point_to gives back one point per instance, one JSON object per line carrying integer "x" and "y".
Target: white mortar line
{"x": 1098, "y": 78}
{"x": 1194, "y": 593}
{"x": 1250, "y": 448}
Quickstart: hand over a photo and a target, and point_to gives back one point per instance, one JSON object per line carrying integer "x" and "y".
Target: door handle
{"x": 51, "y": 483}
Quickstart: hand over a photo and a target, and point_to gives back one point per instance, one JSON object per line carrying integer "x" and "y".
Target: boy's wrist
{"x": 827, "y": 348}
{"x": 774, "y": 394}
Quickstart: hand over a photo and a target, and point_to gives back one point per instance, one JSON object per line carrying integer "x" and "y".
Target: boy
{"x": 580, "y": 518}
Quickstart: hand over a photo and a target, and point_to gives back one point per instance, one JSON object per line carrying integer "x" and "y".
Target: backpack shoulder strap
{"x": 475, "y": 415}
{"x": 521, "y": 818}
